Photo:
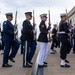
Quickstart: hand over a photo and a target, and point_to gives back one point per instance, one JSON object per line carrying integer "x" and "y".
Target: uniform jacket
{"x": 63, "y": 26}
{"x": 43, "y": 32}
{"x": 54, "y": 31}
{"x": 27, "y": 33}
{"x": 8, "y": 30}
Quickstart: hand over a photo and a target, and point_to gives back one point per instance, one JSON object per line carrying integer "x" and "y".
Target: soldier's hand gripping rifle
{"x": 34, "y": 26}
{"x": 15, "y": 27}
{"x": 49, "y": 27}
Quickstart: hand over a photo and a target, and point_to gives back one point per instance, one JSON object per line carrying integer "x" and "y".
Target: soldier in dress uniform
{"x": 54, "y": 41}
{"x": 64, "y": 35}
{"x": 27, "y": 37}
{"x": 8, "y": 39}
{"x": 43, "y": 40}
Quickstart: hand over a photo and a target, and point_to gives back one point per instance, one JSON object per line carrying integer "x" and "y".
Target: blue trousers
{"x": 15, "y": 48}
{"x": 8, "y": 44}
{"x": 22, "y": 44}
{"x": 31, "y": 48}
{"x": 24, "y": 52}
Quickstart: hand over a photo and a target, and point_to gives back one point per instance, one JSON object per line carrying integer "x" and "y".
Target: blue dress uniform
{"x": 8, "y": 39}
{"x": 29, "y": 46}
{"x": 64, "y": 39}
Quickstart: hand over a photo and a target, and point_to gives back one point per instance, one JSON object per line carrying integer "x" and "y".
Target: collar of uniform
{"x": 43, "y": 21}
{"x": 9, "y": 20}
{"x": 63, "y": 20}
{"x": 28, "y": 20}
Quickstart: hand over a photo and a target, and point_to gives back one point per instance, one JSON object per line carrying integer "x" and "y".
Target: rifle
{"x": 68, "y": 22}
{"x": 67, "y": 16}
{"x": 34, "y": 26}
{"x": 49, "y": 27}
{"x": 15, "y": 27}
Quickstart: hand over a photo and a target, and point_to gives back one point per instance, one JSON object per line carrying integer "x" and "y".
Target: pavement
{"x": 52, "y": 69}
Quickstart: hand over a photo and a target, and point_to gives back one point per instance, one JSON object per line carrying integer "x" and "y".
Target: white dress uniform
{"x": 43, "y": 40}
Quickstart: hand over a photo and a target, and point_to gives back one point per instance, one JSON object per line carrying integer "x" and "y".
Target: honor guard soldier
{"x": 27, "y": 38}
{"x": 43, "y": 40}
{"x": 54, "y": 41}
{"x": 64, "y": 35}
{"x": 8, "y": 39}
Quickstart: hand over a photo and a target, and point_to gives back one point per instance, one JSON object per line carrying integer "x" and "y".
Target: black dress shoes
{"x": 66, "y": 61}
{"x": 65, "y": 66}
{"x": 42, "y": 66}
{"x": 30, "y": 62}
{"x": 6, "y": 65}
{"x": 45, "y": 63}
{"x": 11, "y": 59}
{"x": 55, "y": 51}
{"x": 52, "y": 52}
{"x": 27, "y": 66}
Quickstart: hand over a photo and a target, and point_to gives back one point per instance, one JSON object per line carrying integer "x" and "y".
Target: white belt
{"x": 61, "y": 32}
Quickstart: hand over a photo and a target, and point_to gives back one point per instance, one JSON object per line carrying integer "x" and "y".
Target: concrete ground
{"x": 52, "y": 69}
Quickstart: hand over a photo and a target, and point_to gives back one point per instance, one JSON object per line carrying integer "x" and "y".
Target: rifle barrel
{"x": 16, "y": 18}
{"x": 67, "y": 15}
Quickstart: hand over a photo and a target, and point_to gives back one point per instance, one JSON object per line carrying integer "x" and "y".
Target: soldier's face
{"x": 44, "y": 18}
{"x": 29, "y": 17}
{"x": 64, "y": 18}
{"x": 10, "y": 18}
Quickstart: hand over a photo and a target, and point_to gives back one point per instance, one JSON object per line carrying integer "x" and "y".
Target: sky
{"x": 56, "y": 7}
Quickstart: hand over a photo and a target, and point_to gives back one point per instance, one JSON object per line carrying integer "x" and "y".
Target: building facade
{"x": 71, "y": 16}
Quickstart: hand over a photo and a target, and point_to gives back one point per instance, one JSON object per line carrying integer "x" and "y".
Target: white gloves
{"x": 15, "y": 32}
{"x": 34, "y": 31}
{"x": 49, "y": 31}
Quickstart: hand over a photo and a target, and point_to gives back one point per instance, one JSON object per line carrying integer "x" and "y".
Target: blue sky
{"x": 40, "y": 6}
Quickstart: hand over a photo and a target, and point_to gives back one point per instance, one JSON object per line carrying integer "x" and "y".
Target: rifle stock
{"x": 15, "y": 27}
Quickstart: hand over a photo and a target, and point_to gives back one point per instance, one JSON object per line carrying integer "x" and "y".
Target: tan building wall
{"x": 71, "y": 15}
